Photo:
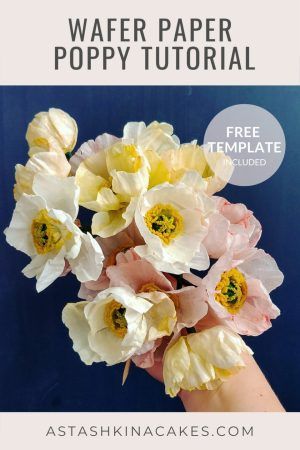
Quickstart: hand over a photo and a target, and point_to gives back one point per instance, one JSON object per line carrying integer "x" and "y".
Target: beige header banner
{"x": 149, "y": 43}
{"x": 74, "y": 431}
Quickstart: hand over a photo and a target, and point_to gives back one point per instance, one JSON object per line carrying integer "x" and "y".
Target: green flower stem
{"x": 179, "y": 281}
{"x": 191, "y": 330}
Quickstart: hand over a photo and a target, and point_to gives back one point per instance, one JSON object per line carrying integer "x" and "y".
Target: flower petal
{"x": 132, "y": 130}
{"x": 45, "y": 269}
{"x": 90, "y": 148}
{"x": 216, "y": 242}
{"x": 106, "y": 224}
{"x": 262, "y": 266}
{"x": 89, "y": 185}
{"x": 219, "y": 346}
{"x": 74, "y": 319}
{"x": 136, "y": 274}
{"x": 88, "y": 264}
{"x": 59, "y": 193}
{"x": 146, "y": 360}
{"x": 161, "y": 318}
{"x": 191, "y": 305}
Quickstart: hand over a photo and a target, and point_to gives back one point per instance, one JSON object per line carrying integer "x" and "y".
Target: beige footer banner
{"x": 148, "y": 430}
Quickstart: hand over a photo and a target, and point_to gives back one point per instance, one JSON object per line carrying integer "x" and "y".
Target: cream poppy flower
{"x": 203, "y": 360}
{"x": 43, "y": 227}
{"x": 53, "y": 162}
{"x": 112, "y": 173}
{"x": 118, "y": 324}
{"x": 109, "y": 182}
{"x": 52, "y": 128}
{"x": 172, "y": 219}
{"x": 156, "y": 139}
{"x": 213, "y": 169}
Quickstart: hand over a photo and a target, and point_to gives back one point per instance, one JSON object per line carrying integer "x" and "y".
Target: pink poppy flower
{"x": 233, "y": 226}
{"x": 238, "y": 291}
{"x": 140, "y": 276}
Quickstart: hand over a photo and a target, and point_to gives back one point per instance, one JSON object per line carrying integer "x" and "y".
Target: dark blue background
{"x": 38, "y": 369}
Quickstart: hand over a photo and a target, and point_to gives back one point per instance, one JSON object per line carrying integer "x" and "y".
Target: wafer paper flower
{"x": 213, "y": 169}
{"x": 43, "y": 227}
{"x": 140, "y": 276}
{"x": 203, "y": 360}
{"x": 52, "y": 162}
{"x": 112, "y": 173}
{"x": 173, "y": 222}
{"x": 238, "y": 291}
{"x": 156, "y": 139}
{"x": 110, "y": 180}
{"x": 118, "y": 324}
{"x": 54, "y": 128}
{"x": 232, "y": 226}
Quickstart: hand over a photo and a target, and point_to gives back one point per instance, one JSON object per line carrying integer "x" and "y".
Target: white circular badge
{"x": 252, "y": 137}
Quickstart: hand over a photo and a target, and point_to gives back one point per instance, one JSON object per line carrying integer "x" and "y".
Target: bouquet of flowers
{"x": 155, "y": 225}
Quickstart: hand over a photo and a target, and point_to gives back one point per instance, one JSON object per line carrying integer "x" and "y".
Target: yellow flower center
{"x": 114, "y": 317}
{"x": 134, "y": 159}
{"x": 48, "y": 234}
{"x": 123, "y": 157}
{"x": 231, "y": 290}
{"x": 164, "y": 221}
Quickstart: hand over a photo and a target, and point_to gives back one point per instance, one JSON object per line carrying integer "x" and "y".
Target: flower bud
{"x": 203, "y": 360}
{"x": 53, "y": 128}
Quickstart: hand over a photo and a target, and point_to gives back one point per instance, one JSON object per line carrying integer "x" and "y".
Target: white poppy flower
{"x": 43, "y": 227}
{"x": 54, "y": 127}
{"x": 118, "y": 324}
{"x": 203, "y": 360}
{"x": 172, "y": 219}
